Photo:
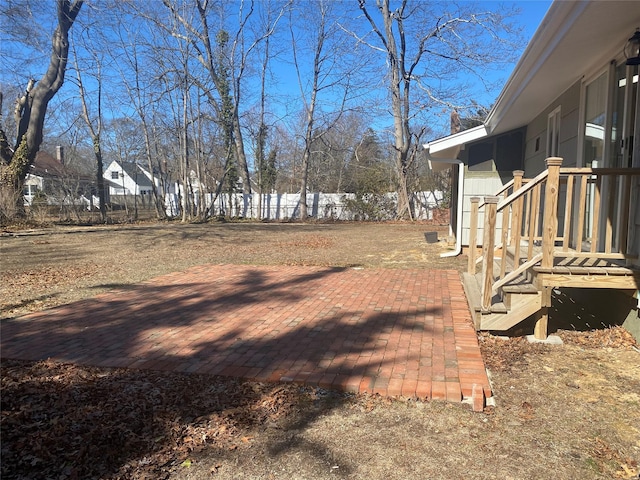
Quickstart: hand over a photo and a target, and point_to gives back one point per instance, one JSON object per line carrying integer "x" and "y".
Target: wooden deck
{"x": 529, "y": 248}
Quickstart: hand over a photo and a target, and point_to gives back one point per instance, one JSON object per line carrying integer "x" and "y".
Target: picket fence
{"x": 285, "y": 206}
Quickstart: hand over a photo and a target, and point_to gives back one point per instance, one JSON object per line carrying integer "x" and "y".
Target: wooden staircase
{"x": 513, "y": 304}
{"x": 528, "y": 249}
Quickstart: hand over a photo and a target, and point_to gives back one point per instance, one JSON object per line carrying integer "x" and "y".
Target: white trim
{"x": 581, "y": 114}
{"x": 449, "y": 147}
{"x": 608, "y": 119}
{"x": 554, "y": 120}
{"x": 635, "y": 159}
{"x": 558, "y": 20}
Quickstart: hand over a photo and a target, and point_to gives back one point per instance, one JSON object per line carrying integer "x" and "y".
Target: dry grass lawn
{"x": 565, "y": 412}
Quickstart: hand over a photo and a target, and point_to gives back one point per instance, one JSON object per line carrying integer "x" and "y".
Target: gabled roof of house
{"x": 46, "y": 165}
{"x": 574, "y": 39}
{"x": 136, "y": 174}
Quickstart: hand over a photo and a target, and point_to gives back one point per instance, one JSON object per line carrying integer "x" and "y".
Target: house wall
{"x": 489, "y": 165}
{"x": 125, "y": 182}
{"x": 478, "y": 185}
{"x": 32, "y": 184}
{"x": 536, "y": 139}
{"x": 34, "y": 180}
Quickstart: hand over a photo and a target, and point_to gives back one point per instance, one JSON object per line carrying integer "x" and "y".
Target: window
{"x": 115, "y": 175}
{"x": 594, "y": 122}
{"x": 30, "y": 190}
{"x": 553, "y": 133}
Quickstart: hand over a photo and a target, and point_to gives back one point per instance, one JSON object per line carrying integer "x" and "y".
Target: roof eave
{"x": 449, "y": 147}
{"x": 553, "y": 28}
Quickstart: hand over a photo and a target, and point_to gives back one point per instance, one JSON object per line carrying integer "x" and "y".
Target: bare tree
{"x": 265, "y": 161}
{"x": 423, "y": 46}
{"x": 142, "y": 95}
{"x": 94, "y": 125}
{"x": 31, "y": 107}
{"x": 331, "y": 73}
{"x": 225, "y": 57}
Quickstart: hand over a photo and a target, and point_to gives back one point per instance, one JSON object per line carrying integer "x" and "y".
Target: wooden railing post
{"x": 550, "y": 217}
{"x": 488, "y": 248}
{"x": 473, "y": 235}
{"x": 516, "y": 215}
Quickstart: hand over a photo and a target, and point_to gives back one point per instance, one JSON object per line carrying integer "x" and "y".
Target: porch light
{"x": 632, "y": 49}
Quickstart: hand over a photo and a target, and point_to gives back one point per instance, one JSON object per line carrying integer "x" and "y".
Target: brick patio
{"x": 392, "y": 332}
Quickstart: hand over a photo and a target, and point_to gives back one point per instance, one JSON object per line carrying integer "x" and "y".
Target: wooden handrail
{"x": 507, "y": 186}
{"x": 488, "y": 250}
{"x": 596, "y": 207}
{"x": 599, "y": 171}
{"x": 528, "y": 186}
{"x": 517, "y": 272}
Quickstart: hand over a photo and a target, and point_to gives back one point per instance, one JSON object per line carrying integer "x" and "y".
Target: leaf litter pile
{"x": 69, "y": 422}
{"x": 66, "y": 421}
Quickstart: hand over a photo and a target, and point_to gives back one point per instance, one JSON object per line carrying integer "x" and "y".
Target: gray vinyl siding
{"x": 569, "y": 103}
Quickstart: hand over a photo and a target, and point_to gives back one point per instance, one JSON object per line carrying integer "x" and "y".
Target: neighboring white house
{"x": 50, "y": 180}
{"x": 128, "y": 179}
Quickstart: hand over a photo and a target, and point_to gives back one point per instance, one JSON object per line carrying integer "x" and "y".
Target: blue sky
{"x": 532, "y": 13}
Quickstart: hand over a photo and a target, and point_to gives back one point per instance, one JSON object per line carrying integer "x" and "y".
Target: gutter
{"x": 458, "y": 249}
{"x": 453, "y": 161}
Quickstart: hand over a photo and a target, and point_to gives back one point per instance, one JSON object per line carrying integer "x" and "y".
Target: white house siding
{"x": 125, "y": 184}
{"x": 477, "y": 184}
{"x": 32, "y": 184}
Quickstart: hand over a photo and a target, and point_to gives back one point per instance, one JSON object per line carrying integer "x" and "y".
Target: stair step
{"x": 523, "y": 307}
{"x": 474, "y": 298}
{"x": 499, "y": 307}
{"x": 524, "y": 288}
{"x": 520, "y": 299}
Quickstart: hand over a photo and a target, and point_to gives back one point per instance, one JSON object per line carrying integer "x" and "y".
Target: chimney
{"x": 456, "y": 124}
{"x": 60, "y": 154}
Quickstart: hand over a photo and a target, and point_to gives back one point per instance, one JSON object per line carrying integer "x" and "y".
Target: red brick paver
{"x": 391, "y": 332}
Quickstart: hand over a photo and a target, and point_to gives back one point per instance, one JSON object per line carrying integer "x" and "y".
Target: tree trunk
{"x": 31, "y": 109}
{"x": 158, "y": 202}
{"x": 100, "y": 182}
{"x": 399, "y": 88}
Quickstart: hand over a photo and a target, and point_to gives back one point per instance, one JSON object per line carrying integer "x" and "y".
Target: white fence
{"x": 284, "y": 206}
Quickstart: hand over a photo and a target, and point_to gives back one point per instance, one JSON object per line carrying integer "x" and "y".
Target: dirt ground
{"x": 569, "y": 411}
